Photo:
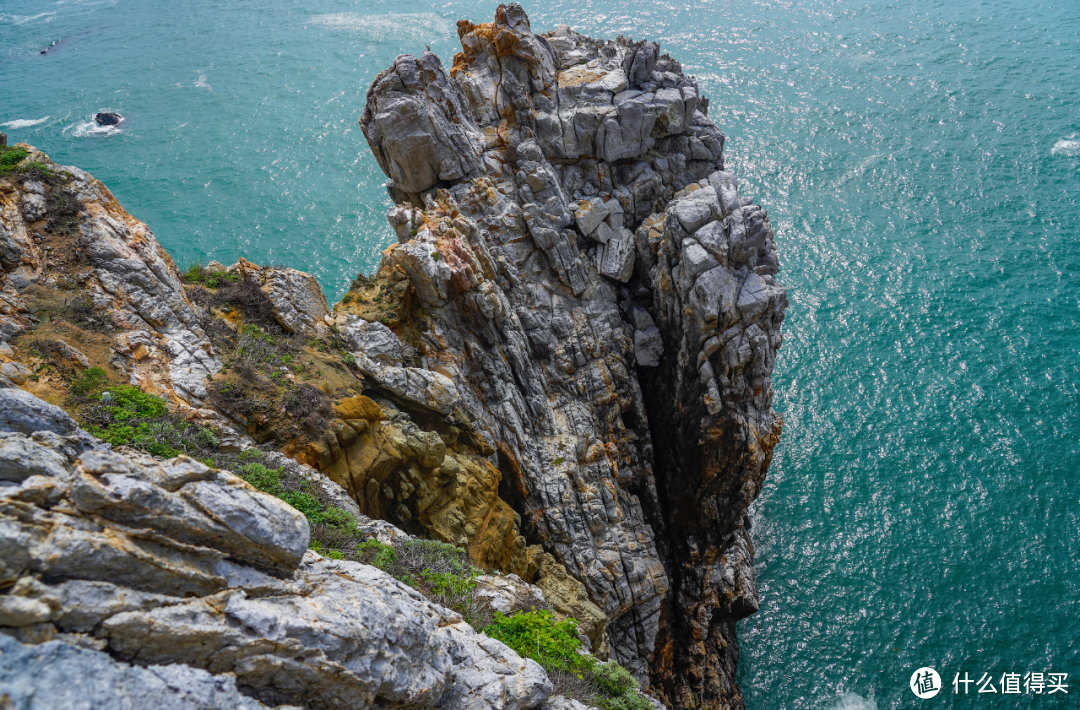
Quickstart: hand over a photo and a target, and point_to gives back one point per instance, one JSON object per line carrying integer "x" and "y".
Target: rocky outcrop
{"x": 604, "y": 302}
{"x": 62, "y": 231}
{"x": 711, "y": 263}
{"x": 173, "y": 580}
{"x": 563, "y": 366}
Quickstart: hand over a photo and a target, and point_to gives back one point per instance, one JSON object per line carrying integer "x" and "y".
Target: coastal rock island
{"x": 562, "y": 369}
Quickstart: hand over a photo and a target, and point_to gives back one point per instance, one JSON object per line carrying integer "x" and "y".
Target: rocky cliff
{"x": 562, "y": 366}
{"x": 605, "y": 301}
{"x": 174, "y": 583}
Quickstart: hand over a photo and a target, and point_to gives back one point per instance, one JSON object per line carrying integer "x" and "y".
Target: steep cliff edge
{"x": 563, "y": 366}
{"x": 605, "y": 301}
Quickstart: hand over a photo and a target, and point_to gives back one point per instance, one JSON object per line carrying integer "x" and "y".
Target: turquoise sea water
{"x": 921, "y": 165}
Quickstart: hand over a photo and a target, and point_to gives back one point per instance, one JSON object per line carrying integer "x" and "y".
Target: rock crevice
{"x": 606, "y": 303}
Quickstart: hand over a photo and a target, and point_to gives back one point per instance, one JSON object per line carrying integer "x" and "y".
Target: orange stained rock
{"x": 359, "y": 407}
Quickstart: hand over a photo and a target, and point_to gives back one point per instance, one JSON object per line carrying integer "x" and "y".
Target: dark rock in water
{"x": 108, "y": 119}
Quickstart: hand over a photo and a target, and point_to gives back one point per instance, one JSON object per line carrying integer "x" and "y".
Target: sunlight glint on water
{"x": 920, "y": 163}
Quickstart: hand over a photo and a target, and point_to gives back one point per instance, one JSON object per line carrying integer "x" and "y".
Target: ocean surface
{"x": 920, "y": 162}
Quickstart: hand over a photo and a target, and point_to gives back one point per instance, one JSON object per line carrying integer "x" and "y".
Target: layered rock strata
{"x": 605, "y": 304}
{"x": 81, "y": 269}
{"x": 563, "y": 365}
{"x": 173, "y": 581}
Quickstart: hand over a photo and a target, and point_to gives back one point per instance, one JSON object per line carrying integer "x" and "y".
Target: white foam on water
{"x": 392, "y": 25}
{"x": 854, "y": 701}
{"x": 90, "y": 129}
{"x": 23, "y": 123}
{"x": 1069, "y": 147}
{"x": 23, "y": 19}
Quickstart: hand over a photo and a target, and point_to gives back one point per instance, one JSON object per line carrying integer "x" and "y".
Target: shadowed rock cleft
{"x": 605, "y": 304}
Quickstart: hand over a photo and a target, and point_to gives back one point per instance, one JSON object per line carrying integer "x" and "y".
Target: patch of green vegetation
{"x": 558, "y": 462}
{"x": 123, "y": 415}
{"x": 40, "y": 168}
{"x": 536, "y": 635}
{"x": 10, "y": 157}
{"x": 555, "y": 646}
{"x": 375, "y": 553}
{"x": 198, "y": 274}
{"x": 91, "y": 380}
{"x": 349, "y": 359}
{"x": 299, "y": 494}
{"x": 333, "y": 530}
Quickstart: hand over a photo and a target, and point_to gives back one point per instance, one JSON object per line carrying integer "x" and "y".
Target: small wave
{"x": 200, "y": 79}
{"x": 23, "y": 123}
{"x": 854, "y": 701}
{"x": 389, "y": 26}
{"x": 90, "y": 129}
{"x": 1067, "y": 146}
{"x": 23, "y": 19}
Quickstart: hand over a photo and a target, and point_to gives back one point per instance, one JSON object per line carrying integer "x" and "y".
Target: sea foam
{"x": 1067, "y": 146}
{"x": 854, "y": 701}
{"x": 388, "y": 26}
{"x": 23, "y": 19}
{"x": 89, "y": 129}
{"x": 23, "y": 123}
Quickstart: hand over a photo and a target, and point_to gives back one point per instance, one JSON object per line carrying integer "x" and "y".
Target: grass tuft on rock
{"x": 199, "y": 274}
{"x": 124, "y": 415}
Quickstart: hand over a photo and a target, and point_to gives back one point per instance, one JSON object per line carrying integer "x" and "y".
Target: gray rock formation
{"x": 564, "y": 219}
{"x": 55, "y": 675}
{"x": 171, "y": 580}
{"x": 128, "y": 278}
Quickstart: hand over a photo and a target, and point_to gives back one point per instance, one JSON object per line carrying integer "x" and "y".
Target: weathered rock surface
{"x": 573, "y": 382}
{"x": 564, "y": 219}
{"x": 57, "y": 675}
{"x": 204, "y": 583}
{"x": 86, "y": 241}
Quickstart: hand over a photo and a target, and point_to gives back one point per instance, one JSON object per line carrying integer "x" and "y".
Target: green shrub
{"x": 306, "y": 503}
{"x": 193, "y": 274}
{"x": 336, "y": 516}
{"x": 251, "y": 454}
{"x": 197, "y": 274}
{"x": 627, "y": 701}
{"x": 435, "y": 557}
{"x": 613, "y": 679}
{"x": 536, "y": 635}
{"x": 373, "y": 552}
{"x": 91, "y": 381}
{"x": 123, "y": 415}
{"x": 10, "y": 159}
{"x": 449, "y": 586}
{"x": 128, "y": 402}
{"x": 267, "y": 480}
